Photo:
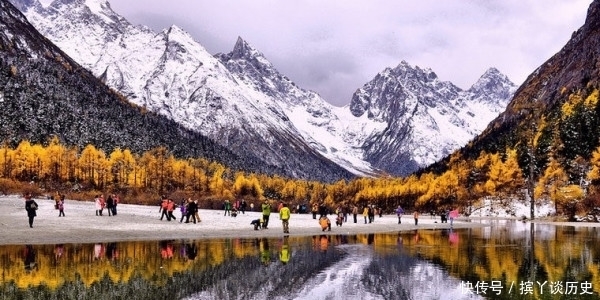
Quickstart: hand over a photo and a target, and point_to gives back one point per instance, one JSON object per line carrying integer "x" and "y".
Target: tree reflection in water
{"x": 406, "y": 265}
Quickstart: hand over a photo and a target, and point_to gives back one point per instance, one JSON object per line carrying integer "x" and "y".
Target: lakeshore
{"x": 142, "y": 223}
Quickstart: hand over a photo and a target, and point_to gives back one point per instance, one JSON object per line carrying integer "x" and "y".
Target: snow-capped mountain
{"x": 171, "y": 74}
{"x": 405, "y": 118}
{"x": 331, "y": 130}
{"x": 425, "y": 119}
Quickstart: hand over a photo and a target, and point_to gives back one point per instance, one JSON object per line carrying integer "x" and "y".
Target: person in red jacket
{"x": 170, "y": 208}
{"x": 163, "y": 209}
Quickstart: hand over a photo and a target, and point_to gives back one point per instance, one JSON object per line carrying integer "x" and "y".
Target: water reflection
{"x": 508, "y": 260}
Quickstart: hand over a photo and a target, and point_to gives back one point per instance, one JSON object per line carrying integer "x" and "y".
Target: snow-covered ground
{"x": 139, "y": 222}
{"x": 514, "y": 209}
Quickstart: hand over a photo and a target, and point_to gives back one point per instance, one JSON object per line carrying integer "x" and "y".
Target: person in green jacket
{"x": 284, "y": 215}
{"x": 266, "y": 211}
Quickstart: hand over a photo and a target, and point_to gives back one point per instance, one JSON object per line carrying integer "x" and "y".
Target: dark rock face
{"x": 46, "y": 93}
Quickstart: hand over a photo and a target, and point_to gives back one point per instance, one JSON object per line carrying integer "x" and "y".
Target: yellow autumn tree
{"x": 56, "y": 153}
{"x": 217, "y": 183}
{"x": 569, "y": 199}
{"x": 318, "y": 193}
{"x": 6, "y": 160}
{"x": 593, "y": 174}
{"x": 552, "y": 182}
{"x": 91, "y": 163}
{"x": 24, "y": 161}
{"x": 504, "y": 177}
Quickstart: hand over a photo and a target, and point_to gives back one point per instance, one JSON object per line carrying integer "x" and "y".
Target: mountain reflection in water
{"x": 424, "y": 264}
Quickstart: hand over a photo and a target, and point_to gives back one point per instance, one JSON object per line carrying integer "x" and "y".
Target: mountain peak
{"x": 493, "y": 83}
{"x": 243, "y": 49}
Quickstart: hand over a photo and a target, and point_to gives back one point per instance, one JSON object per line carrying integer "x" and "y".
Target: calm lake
{"x": 507, "y": 260}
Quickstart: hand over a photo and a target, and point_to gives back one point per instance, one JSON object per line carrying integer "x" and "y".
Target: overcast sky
{"x": 335, "y": 47}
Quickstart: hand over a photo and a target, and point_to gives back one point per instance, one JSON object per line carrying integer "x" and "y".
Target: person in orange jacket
{"x": 170, "y": 208}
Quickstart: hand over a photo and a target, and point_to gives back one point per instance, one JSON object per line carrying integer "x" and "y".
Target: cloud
{"x": 334, "y": 47}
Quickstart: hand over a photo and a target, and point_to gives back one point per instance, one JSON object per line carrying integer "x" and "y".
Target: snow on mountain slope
{"x": 326, "y": 128}
{"x": 170, "y": 73}
{"x": 404, "y": 119}
{"x": 426, "y": 118}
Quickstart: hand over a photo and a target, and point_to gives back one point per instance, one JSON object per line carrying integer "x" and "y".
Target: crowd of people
{"x": 189, "y": 211}
{"x": 109, "y": 203}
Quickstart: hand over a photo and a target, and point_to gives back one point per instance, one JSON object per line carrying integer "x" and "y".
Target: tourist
{"x": 183, "y": 209}
{"x": 116, "y": 200}
{"x": 30, "y": 206}
{"x": 399, "y": 212}
{"x": 163, "y": 208}
{"x": 56, "y": 199}
{"x": 196, "y": 211}
{"x": 371, "y": 213}
{"x": 243, "y": 206}
{"x": 315, "y": 210}
{"x": 323, "y": 211}
{"x": 266, "y": 212}
{"x": 102, "y": 203}
{"x": 192, "y": 208}
{"x": 110, "y": 204}
{"x": 98, "y": 204}
{"x": 284, "y": 215}
{"x": 325, "y": 223}
{"x": 354, "y": 212}
{"x": 61, "y": 207}
{"x": 257, "y": 223}
{"x": 366, "y": 213}
{"x": 453, "y": 214}
{"x": 416, "y": 216}
{"x": 227, "y": 207}
{"x": 170, "y": 208}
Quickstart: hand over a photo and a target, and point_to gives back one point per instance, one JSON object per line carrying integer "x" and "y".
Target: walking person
{"x": 399, "y": 212}
{"x": 183, "y": 209}
{"x": 266, "y": 212}
{"x": 170, "y": 208}
{"x": 30, "y": 206}
{"x": 416, "y": 216}
{"x": 192, "y": 208}
{"x": 164, "y": 202}
{"x": 284, "y": 215}
{"x": 366, "y": 213}
{"x": 61, "y": 207}
{"x": 354, "y": 212}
